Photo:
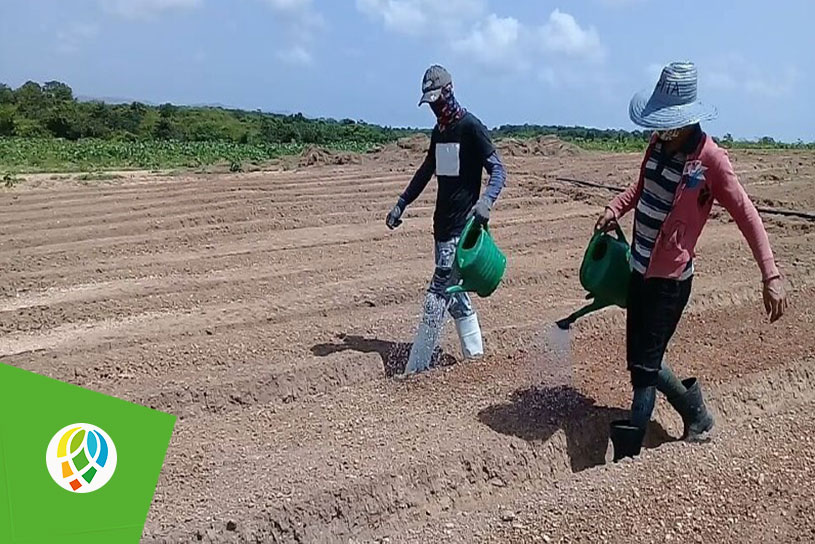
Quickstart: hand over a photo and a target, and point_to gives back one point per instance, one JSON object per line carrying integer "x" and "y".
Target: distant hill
{"x": 112, "y": 100}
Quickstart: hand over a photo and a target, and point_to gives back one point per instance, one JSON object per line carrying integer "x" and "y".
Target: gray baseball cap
{"x": 435, "y": 79}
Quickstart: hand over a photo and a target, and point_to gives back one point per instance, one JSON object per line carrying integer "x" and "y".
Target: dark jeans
{"x": 655, "y": 306}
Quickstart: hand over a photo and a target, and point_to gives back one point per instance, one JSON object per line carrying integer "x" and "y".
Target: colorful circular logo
{"x": 81, "y": 458}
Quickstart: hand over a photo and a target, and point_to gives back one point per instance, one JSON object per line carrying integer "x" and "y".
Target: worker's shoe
{"x": 697, "y": 420}
{"x": 469, "y": 332}
{"x": 626, "y": 439}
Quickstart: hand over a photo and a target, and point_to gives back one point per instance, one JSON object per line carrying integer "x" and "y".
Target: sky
{"x": 567, "y": 62}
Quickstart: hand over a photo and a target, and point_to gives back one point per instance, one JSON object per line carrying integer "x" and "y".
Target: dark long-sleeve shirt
{"x": 457, "y": 157}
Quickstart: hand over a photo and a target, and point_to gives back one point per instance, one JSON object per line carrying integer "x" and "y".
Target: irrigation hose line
{"x": 762, "y": 209}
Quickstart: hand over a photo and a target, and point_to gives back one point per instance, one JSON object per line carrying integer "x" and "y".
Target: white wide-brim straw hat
{"x": 673, "y": 103}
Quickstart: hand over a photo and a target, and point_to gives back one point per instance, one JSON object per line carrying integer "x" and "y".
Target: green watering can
{"x": 605, "y": 273}
{"x": 480, "y": 263}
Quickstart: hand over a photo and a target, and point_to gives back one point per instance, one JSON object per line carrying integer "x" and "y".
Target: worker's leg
{"x": 660, "y": 308}
{"x": 668, "y": 384}
{"x": 460, "y": 306}
{"x": 686, "y": 395}
{"x": 434, "y": 310}
{"x": 655, "y": 307}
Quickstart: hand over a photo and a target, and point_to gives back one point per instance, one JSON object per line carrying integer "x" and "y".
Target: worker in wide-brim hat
{"x": 683, "y": 173}
{"x": 460, "y": 151}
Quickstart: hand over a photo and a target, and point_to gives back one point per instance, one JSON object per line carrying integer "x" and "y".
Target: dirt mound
{"x": 318, "y": 156}
{"x": 542, "y": 146}
{"x": 403, "y": 150}
{"x": 418, "y": 143}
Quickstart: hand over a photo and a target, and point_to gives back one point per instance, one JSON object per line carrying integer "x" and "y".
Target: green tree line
{"x": 45, "y": 127}
{"x": 50, "y": 110}
{"x": 571, "y": 133}
{"x": 615, "y": 139}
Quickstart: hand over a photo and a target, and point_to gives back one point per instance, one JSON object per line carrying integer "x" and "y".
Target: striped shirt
{"x": 663, "y": 172}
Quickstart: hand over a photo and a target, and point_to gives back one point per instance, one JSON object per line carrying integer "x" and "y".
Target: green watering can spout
{"x": 605, "y": 273}
{"x": 479, "y": 262}
{"x": 567, "y": 322}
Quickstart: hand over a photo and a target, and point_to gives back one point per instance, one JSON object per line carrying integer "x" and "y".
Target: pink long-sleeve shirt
{"x": 707, "y": 176}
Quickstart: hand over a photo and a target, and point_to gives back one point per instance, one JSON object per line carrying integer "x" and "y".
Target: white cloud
{"x": 400, "y": 16}
{"x": 494, "y": 42}
{"x": 562, "y": 34}
{"x": 142, "y": 9}
{"x": 556, "y": 47}
{"x": 301, "y": 23}
{"x": 419, "y": 17}
{"x": 296, "y": 55}
{"x": 489, "y": 39}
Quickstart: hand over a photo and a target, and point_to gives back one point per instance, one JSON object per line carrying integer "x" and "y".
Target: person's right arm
{"x": 415, "y": 188}
{"x": 420, "y": 179}
{"x": 625, "y": 201}
{"x": 621, "y": 205}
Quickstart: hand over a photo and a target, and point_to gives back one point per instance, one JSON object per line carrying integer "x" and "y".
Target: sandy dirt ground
{"x": 271, "y": 311}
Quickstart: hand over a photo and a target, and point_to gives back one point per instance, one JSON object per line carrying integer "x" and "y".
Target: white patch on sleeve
{"x": 447, "y": 162}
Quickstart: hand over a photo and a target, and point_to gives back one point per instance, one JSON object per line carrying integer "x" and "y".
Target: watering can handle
{"x": 620, "y": 234}
{"x": 618, "y": 230}
{"x": 471, "y": 224}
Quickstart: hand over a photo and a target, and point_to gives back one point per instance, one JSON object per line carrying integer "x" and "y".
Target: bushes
{"x": 52, "y": 110}
{"x": 142, "y": 136}
{"x": 7, "y": 122}
{"x": 52, "y": 154}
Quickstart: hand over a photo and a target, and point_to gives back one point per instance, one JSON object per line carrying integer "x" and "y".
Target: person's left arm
{"x": 498, "y": 176}
{"x": 492, "y": 163}
{"x": 729, "y": 192}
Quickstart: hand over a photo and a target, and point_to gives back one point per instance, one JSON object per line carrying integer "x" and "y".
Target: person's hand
{"x": 481, "y": 211}
{"x": 607, "y": 221}
{"x": 775, "y": 299}
{"x": 394, "y": 217}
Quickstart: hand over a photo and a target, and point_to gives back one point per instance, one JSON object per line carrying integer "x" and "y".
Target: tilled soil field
{"x": 272, "y": 311}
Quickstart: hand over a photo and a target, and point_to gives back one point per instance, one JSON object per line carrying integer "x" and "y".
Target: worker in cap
{"x": 460, "y": 150}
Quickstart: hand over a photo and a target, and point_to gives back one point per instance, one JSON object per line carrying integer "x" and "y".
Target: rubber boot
{"x": 469, "y": 332}
{"x": 697, "y": 419}
{"x": 626, "y": 439}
